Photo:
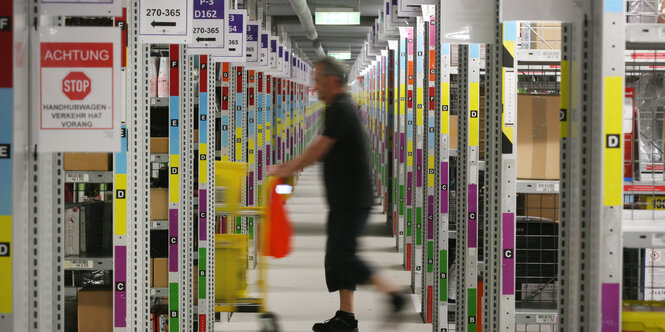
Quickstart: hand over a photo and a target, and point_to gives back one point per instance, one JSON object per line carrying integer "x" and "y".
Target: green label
{"x": 238, "y": 225}
{"x": 174, "y": 310}
{"x": 401, "y": 200}
{"x": 430, "y": 256}
{"x": 409, "y": 222}
{"x": 419, "y": 226}
{"x": 250, "y": 222}
{"x": 202, "y": 273}
{"x": 443, "y": 276}
{"x": 472, "y": 307}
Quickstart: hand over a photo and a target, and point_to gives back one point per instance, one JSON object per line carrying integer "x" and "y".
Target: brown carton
{"x": 159, "y": 204}
{"x": 538, "y": 137}
{"x": 159, "y": 145}
{"x": 152, "y": 272}
{"x": 95, "y": 310}
{"x": 541, "y": 206}
{"x": 75, "y": 161}
{"x": 453, "y": 132}
{"x": 160, "y": 275}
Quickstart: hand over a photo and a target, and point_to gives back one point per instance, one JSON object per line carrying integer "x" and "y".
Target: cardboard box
{"x": 159, "y": 204}
{"x": 152, "y": 272}
{"x": 453, "y": 132}
{"x": 95, "y": 310}
{"x": 160, "y": 275}
{"x": 196, "y": 138}
{"x": 196, "y": 284}
{"x": 87, "y": 161}
{"x": 159, "y": 145}
{"x": 541, "y": 206}
{"x": 538, "y": 137}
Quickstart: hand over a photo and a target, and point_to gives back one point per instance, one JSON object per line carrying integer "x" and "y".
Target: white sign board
{"x": 264, "y": 51}
{"x": 166, "y": 21}
{"x": 80, "y": 7}
{"x": 467, "y": 21}
{"x": 235, "y": 38}
{"x": 79, "y": 84}
{"x": 209, "y": 19}
{"x": 542, "y": 10}
{"x": 252, "y": 38}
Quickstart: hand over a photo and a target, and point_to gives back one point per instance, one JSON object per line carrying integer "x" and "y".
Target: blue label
{"x": 6, "y": 140}
{"x": 235, "y": 23}
{"x": 209, "y": 9}
{"x": 264, "y": 40}
{"x": 273, "y": 46}
{"x": 252, "y": 32}
{"x": 286, "y": 56}
{"x": 387, "y": 8}
{"x": 280, "y": 52}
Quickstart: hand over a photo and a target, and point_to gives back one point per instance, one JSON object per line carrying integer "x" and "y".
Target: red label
{"x": 174, "y": 51}
{"x": 408, "y": 256}
{"x": 238, "y": 79}
{"x": 268, "y": 84}
{"x": 251, "y": 96}
{"x": 225, "y": 72}
{"x": 430, "y": 303}
{"x": 251, "y": 76}
{"x": 260, "y": 74}
{"x": 6, "y": 43}
{"x": 203, "y": 74}
{"x": 410, "y": 98}
{"x": 431, "y": 102}
{"x": 225, "y": 98}
{"x": 648, "y": 55}
{"x": 77, "y": 55}
{"x": 202, "y": 322}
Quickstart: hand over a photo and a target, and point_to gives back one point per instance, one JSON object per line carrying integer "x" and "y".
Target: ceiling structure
{"x": 332, "y": 37}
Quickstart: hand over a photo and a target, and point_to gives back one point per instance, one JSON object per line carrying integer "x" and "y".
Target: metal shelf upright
{"x": 409, "y": 127}
{"x": 418, "y": 190}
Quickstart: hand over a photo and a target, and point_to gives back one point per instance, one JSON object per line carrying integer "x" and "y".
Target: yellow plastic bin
{"x": 230, "y": 267}
{"x": 643, "y": 316}
{"x": 229, "y": 179}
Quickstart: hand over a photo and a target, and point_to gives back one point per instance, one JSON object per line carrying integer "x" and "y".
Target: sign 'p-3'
{"x": 79, "y": 90}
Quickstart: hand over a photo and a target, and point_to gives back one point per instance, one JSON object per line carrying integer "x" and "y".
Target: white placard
{"x": 542, "y": 10}
{"x": 411, "y": 8}
{"x": 80, "y": 7}
{"x": 273, "y": 56}
{"x": 209, "y": 22}
{"x": 264, "y": 49}
{"x": 467, "y": 21}
{"x": 654, "y": 274}
{"x": 79, "y": 84}
{"x": 166, "y": 21}
{"x": 235, "y": 36}
{"x": 510, "y": 98}
{"x": 252, "y": 47}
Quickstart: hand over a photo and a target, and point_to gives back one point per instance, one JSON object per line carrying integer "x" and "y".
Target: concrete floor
{"x": 297, "y": 292}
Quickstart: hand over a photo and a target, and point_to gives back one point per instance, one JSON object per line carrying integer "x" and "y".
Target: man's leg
{"x": 346, "y": 300}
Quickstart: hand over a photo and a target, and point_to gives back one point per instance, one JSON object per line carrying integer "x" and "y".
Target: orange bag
{"x": 279, "y": 229}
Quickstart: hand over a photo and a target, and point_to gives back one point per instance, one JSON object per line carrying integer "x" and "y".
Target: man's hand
{"x": 281, "y": 170}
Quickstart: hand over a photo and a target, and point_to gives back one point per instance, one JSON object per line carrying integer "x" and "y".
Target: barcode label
{"x": 547, "y": 187}
{"x": 78, "y": 264}
{"x": 77, "y": 177}
{"x": 547, "y": 319}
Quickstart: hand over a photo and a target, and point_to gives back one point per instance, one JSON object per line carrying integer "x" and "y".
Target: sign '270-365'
{"x": 166, "y": 21}
{"x": 79, "y": 90}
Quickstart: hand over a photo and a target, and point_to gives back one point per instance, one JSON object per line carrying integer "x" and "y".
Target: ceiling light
{"x": 337, "y": 16}
{"x": 340, "y": 55}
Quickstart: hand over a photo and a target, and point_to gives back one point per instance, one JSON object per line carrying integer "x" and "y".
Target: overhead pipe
{"x": 301, "y": 9}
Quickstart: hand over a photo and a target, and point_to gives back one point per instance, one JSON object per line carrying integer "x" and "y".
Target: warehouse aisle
{"x": 297, "y": 287}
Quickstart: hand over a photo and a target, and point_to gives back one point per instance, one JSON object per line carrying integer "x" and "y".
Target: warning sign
{"x": 79, "y": 90}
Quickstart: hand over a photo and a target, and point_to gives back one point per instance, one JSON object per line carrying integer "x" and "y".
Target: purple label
{"x": 286, "y": 56}
{"x": 430, "y": 217}
{"x": 472, "y": 230}
{"x": 260, "y": 175}
{"x": 419, "y": 168}
{"x": 208, "y": 10}
{"x": 508, "y": 254}
{"x": 120, "y": 294}
{"x": 203, "y": 220}
{"x": 387, "y": 8}
{"x": 273, "y": 45}
{"x": 409, "y": 183}
{"x": 235, "y": 23}
{"x": 611, "y": 308}
{"x": 402, "y": 147}
{"x": 280, "y": 52}
{"x": 264, "y": 40}
{"x": 268, "y": 154}
{"x": 444, "y": 187}
{"x": 252, "y": 32}
{"x": 173, "y": 240}
{"x": 251, "y": 186}
{"x": 396, "y": 144}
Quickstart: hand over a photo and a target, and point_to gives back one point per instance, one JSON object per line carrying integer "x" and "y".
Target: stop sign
{"x": 76, "y": 85}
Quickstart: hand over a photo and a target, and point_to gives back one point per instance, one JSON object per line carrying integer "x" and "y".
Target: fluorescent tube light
{"x": 340, "y": 55}
{"x": 337, "y": 16}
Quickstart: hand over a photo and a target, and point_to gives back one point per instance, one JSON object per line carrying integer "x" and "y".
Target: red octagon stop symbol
{"x": 76, "y": 85}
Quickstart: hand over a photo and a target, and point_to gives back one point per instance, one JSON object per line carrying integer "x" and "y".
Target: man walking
{"x": 343, "y": 149}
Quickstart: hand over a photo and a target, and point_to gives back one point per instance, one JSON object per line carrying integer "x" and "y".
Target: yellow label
{"x": 174, "y": 178}
{"x": 409, "y": 154}
{"x": 6, "y": 266}
{"x": 430, "y": 176}
{"x": 655, "y": 202}
{"x": 203, "y": 163}
{"x": 565, "y": 98}
{"x": 445, "y": 105}
{"x": 473, "y": 113}
{"x": 613, "y": 158}
{"x": 402, "y": 99}
{"x": 238, "y": 144}
{"x": 259, "y": 134}
{"x": 419, "y": 107}
{"x": 510, "y": 46}
{"x": 120, "y": 205}
{"x": 268, "y": 133}
{"x": 250, "y": 152}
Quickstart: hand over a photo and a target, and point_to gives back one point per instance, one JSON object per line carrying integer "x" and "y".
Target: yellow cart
{"x": 231, "y": 250}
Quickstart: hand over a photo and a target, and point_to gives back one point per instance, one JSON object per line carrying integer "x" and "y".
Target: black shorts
{"x": 344, "y": 270}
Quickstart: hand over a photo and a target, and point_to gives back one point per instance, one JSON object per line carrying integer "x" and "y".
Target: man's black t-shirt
{"x": 346, "y": 166}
